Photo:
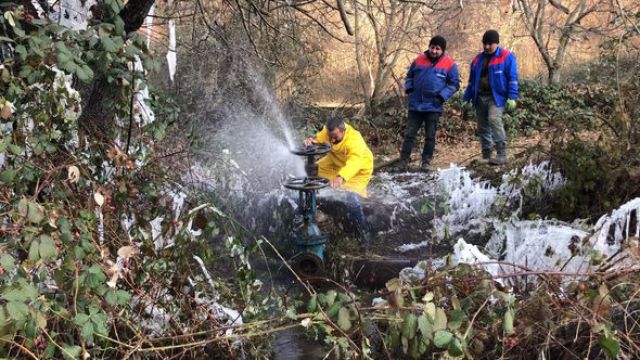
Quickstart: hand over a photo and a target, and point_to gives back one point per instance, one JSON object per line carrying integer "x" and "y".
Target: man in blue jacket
{"x": 493, "y": 86}
{"x": 432, "y": 79}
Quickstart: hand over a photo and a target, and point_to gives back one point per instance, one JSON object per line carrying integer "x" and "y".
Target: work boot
{"x": 501, "y": 157}
{"x": 402, "y": 165}
{"x": 426, "y": 166}
{"x": 486, "y": 156}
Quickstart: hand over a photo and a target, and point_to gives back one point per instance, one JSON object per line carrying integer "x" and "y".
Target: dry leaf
{"x": 98, "y": 198}
{"x": 127, "y": 251}
{"x": 73, "y": 174}
{"x": 7, "y": 110}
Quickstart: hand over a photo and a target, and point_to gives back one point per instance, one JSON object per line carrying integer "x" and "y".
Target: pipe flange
{"x": 308, "y": 265}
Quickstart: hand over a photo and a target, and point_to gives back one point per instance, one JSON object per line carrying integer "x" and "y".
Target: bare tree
{"x": 383, "y": 27}
{"x": 553, "y": 26}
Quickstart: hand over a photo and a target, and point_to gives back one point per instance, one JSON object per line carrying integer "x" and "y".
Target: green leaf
{"x": 291, "y": 313}
{"x": 47, "y": 247}
{"x": 84, "y": 73}
{"x": 344, "y": 322}
{"x": 16, "y": 149}
{"x": 81, "y": 319}
{"x": 17, "y": 310}
{"x": 409, "y": 326}
{"x": 442, "y": 338}
{"x": 508, "y": 322}
{"x": 440, "y": 322}
{"x": 111, "y": 297}
{"x": 333, "y": 309}
{"x": 71, "y": 351}
{"x": 34, "y": 213}
{"x": 108, "y": 44}
{"x": 455, "y": 348}
{"x": 312, "y": 305}
{"x": 34, "y": 250}
{"x": 7, "y": 262}
{"x": 330, "y": 297}
{"x": 22, "y": 51}
{"x": 123, "y": 297}
{"x": 426, "y": 328}
{"x": 8, "y": 175}
{"x": 610, "y": 346}
{"x": 87, "y": 331}
{"x": 4, "y": 323}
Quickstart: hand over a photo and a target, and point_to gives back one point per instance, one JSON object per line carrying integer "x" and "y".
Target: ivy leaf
{"x": 343, "y": 319}
{"x": 442, "y": 338}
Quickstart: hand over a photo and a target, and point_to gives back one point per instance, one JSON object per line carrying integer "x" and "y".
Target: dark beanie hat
{"x": 491, "y": 37}
{"x": 440, "y": 41}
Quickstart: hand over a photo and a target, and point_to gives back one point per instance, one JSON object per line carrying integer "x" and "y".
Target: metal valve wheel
{"x": 306, "y": 183}
{"x": 311, "y": 150}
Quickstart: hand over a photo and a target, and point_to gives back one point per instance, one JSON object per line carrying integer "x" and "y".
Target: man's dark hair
{"x": 335, "y": 122}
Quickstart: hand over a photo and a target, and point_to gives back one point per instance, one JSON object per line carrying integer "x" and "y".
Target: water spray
{"x": 309, "y": 260}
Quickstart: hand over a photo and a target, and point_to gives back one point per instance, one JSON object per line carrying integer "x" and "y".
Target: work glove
{"x": 510, "y": 105}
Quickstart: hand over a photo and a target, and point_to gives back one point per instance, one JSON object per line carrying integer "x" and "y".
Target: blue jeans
{"x": 415, "y": 120}
{"x": 490, "y": 126}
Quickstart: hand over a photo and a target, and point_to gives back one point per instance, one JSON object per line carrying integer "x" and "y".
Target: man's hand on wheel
{"x": 336, "y": 182}
{"x": 309, "y": 141}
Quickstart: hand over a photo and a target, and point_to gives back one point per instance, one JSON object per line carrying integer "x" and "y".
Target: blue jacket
{"x": 503, "y": 77}
{"x": 431, "y": 83}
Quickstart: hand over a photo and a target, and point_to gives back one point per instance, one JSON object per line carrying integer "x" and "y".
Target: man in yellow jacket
{"x": 349, "y": 165}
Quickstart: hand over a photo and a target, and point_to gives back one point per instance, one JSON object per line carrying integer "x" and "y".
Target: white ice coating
{"x": 620, "y": 222}
{"x": 468, "y": 199}
{"x": 540, "y": 245}
{"x": 73, "y": 14}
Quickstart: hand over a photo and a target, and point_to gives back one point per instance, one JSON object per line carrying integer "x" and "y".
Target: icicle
{"x": 171, "y": 54}
{"x": 619, "y": 217}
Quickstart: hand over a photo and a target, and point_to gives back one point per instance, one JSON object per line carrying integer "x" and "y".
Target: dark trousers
{"x": 414, "y": 122}
{"x": 356, "y": 213}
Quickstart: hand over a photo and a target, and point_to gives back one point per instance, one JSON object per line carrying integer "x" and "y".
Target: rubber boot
{"x": 486, "y": 156}
{"x": 501, "y": 157}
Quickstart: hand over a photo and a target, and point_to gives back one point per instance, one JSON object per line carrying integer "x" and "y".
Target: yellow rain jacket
{"x": 350, "y": 159}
